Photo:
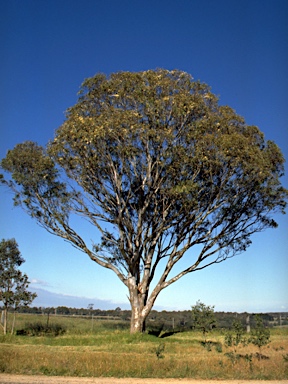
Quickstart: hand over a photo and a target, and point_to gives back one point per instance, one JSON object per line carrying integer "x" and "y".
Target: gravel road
{"x": 23, "y": 379}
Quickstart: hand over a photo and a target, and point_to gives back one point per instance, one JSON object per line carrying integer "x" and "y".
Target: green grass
{"x": 109, "y": 350}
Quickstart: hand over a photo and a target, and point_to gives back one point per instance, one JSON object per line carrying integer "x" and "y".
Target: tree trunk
{"x": 4, "y": 320}
{"x": 138, "y": 310}
{"x": 13, "y": 323}
{"x": 248, "y": 324}
{"x": 141, "y": 305}
{"x": 137, "y": 324}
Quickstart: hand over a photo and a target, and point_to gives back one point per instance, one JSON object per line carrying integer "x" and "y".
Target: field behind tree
{"x": 94, "y": 347}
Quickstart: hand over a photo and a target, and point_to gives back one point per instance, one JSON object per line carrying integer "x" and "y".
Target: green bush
{"x": 40, "y": 329}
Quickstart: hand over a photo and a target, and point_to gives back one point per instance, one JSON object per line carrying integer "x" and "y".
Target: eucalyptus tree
{"x": 166, "y": 175}
{"x": 13, "y": 283}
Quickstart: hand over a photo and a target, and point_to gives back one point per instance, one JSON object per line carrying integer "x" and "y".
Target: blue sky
{"x": 240, "y": 48}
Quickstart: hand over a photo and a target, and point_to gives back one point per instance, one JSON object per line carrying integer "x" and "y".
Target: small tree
{"x": 235, "y": 336}
{"x": 13, "y": 283}
{"x": 203, "y": 317}
{"x": 260, "y": 335}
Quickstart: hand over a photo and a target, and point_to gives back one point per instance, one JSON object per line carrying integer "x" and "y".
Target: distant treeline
{"x": 174, "y": 320}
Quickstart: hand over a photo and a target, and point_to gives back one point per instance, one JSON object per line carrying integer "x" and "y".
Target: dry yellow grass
{"x": 118, "y": 354}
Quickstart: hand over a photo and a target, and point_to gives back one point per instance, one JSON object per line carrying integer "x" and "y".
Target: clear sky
{"x": 240, "y": 48}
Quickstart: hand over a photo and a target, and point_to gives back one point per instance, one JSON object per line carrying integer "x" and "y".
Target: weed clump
{"x": 159, "y": 351}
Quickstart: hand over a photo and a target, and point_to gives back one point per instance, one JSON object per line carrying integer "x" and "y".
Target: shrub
{"x": 39, "y": 329}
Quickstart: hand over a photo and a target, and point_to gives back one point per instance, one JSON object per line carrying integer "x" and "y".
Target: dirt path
{"x": 23, "y": 379}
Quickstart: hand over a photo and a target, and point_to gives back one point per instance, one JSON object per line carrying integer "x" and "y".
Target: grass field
{"x": 105, "y": 348}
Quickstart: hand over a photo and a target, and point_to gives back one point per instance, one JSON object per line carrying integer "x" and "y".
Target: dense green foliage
{"x": 153, "y": 162}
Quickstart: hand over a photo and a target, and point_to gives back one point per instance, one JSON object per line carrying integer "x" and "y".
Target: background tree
{"x": 13, "y": 283}
{"x": 158, "y": 167}
{"x": 203, "y": 317}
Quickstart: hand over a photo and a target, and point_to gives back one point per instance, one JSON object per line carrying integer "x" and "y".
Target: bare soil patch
{"x": 25, "y": 379}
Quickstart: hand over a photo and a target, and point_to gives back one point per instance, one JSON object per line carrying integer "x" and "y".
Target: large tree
{"x": 13, "y": 283}
{"x": 163, "y": 172}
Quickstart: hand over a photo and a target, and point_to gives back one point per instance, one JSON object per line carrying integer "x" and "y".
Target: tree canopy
{"x": 158, "y": 167}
